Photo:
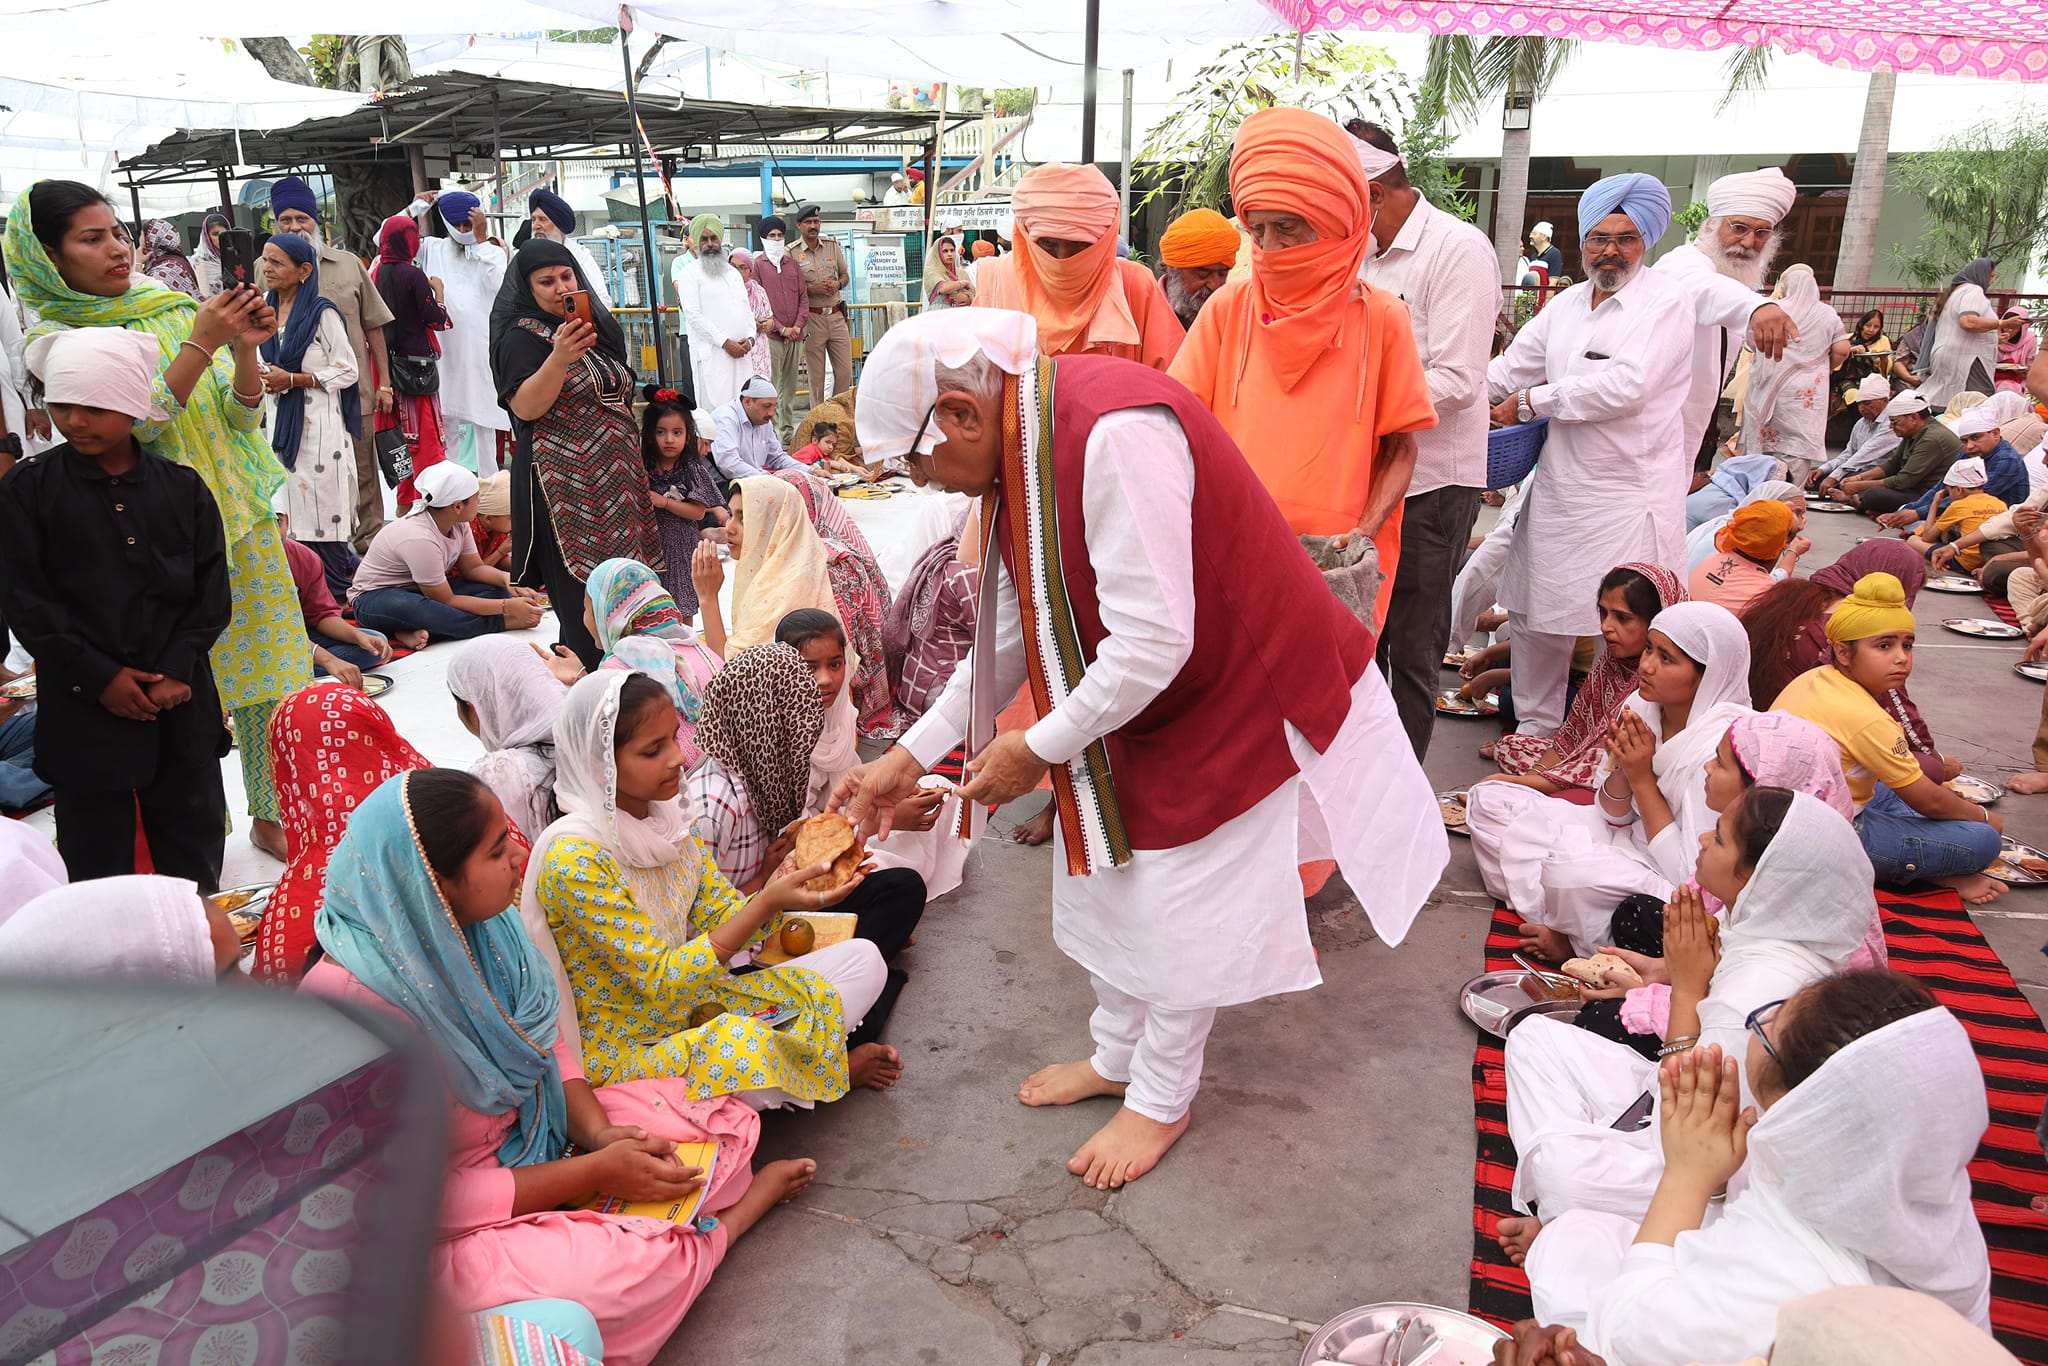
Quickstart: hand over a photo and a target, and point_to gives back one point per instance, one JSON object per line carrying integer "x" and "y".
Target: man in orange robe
{"x": 1065, "y": 273}
{"x": 1314, "y": 374}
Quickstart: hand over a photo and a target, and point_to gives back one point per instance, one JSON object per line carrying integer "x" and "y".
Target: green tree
{"x": 1186, "y": 155}
{"x": 1471, "y": 73}
{"x": 1423, "y": 142}
{"x": 1983, "y": 192}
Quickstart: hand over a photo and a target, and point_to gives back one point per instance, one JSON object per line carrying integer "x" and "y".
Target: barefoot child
{"x": 822, "y": 455}
{"x": 683, "y": 487}
{"x": 114, "y": 574}
{"x": 1913, "y": 828}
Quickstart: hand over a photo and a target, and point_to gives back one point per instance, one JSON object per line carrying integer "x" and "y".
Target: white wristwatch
{"x": 1523, "y": 412}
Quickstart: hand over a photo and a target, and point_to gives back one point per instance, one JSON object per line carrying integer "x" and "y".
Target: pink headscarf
{"x": 1780, "y": 750}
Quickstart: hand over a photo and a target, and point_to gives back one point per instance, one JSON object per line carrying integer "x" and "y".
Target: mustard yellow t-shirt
{"x": 1960, "y": 517}
{"x": 1874, "y": 748}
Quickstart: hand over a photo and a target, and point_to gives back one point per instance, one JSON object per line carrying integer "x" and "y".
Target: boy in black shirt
{"x": 113, "y": 573}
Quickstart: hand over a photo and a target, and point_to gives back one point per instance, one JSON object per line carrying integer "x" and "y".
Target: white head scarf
{"x": 1911, "y": 401}
{"x": 1967, "y": 473}
{"x": 112, "y": 929}
{"x": 1764, "y": 194}
{"x": 29, "y": 866}
{"x": 1772, "y": 490}
{"x": 1709, "y": 634}
{"x": 515, "y": 695}
{"x": 1873, "y": 1151}
{"x": 1811, "y": 888}
{"x": 587, "y": 778}
{"x": 1880, "y": 1325}
{"x": 100, "y": 367}
{"x": 2002, "y": 407}
{"x": 443, "y": 485}
{"x": 1874, "y": 387}
{"x": 899, "y": 385}
{"x": 1978, "y": 420}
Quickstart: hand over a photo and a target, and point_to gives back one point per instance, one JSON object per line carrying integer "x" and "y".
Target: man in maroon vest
{"x": 1208, "y": 713}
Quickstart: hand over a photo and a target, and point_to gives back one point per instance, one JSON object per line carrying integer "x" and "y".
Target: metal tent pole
{"x": 1123, "y": 216}
{"x": 650, "y": 257}
{"x": 1092, "y": 43}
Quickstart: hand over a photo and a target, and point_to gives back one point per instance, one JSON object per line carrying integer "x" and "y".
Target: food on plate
{"x": 798, "y": 937}
{"x": 1602, "y": 970}
{"x": 704, "y": 1013}
{"x": 1453, "y": 809}
{"x": 829, "y": 838}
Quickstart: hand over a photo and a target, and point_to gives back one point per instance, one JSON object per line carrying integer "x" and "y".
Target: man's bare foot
{"x": 1124, "y": 1149}
{"x": 777, "y": 1183}
{"x": 1486, "y": 750}
{"x": 411, "y": 640}
{"x": 2027, "y": 783}
{"x": 269, "y": 837}
{"x": 1540, "y": 941}
{"x": 1063, "y": 1083}
{"x": 1514, "y": 1234}
{"x": 875, "y": 1066}
{"x": 1037, "y": 830}
{"x": 1978, "y": 889}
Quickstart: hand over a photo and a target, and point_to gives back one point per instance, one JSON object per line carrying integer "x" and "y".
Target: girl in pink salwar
{"x": 415, "y": 921}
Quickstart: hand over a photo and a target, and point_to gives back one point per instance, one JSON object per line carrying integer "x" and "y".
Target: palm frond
{"x": 1452, "y": 67}
{"x": 1746, "y": 72}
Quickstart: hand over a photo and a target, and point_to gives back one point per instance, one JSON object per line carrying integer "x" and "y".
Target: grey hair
{"x": 977, "y": 375}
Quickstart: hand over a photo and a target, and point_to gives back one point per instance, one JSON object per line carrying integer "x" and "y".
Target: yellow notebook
{"x": 683, "y": 1211}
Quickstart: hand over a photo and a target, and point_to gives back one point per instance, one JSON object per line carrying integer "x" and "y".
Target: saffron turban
{"x": 703, "y": 223}
{"x": 1200, "y": 237}
{"x": 293, "y": 193}
{"x": 1758, "y": 530}
{"x": 1642, "y": 197}
{"x": 555, "y": 207}
{"x": 983, "y": 248}
{"x": 1071, "y": 203}
{"x": 1877, "y": 607}
{"x": 1080, "y": 298}
{"x": 1764, "y": 194}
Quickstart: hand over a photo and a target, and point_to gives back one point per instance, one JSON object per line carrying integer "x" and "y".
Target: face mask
{"x": 463, "y": 236}
{"x": 776, "y": 249}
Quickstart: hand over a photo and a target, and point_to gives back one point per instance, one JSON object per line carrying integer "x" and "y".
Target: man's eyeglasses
{"x": 1627, "y": 241}
{"x": 1761, "y": 232}
{"x": 913, "y": 457}
{"x": 1760, "y": 1017}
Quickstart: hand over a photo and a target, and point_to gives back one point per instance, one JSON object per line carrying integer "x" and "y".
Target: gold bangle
{"x": 247, "y": 400}
{"x": 196, "y": 347}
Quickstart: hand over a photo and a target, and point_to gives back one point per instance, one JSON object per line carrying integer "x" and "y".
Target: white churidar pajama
{"x": 1610, "y": 486}
{"x": 1154, "y": 933}
{"x": 856, "y": 971}
{"x": 1478, "y": 584}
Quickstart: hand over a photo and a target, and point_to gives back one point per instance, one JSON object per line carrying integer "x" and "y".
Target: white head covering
{"x": 1710, "y": 634}
{"x": 899, "y": 385}
{"x": 704, "y": 422}
{"x": 29, "y": 866}
{"x": 1874, "y": 387}
{"x": 99, "y": 367}
{"x": 1908, "y": 402}
{"x": 1543, "y": 230}
{"x": 587, "y": 778}
{"x": 112, "y": 929}
{"x": 1880, "y": 1325}
{"x": 1772, "y": 490}
{"x": 1873, "y": 1151}
{"x": 516, "y": 696}
{"x": 1977, "y": 420}
{"x": 1764, "y": 194}
{"x": 443, "y": 485}
{"x": 757, "y": 387}
{"x": 1811, "y": 887}
{"x": 1967, "y": 473}
{"x": 1374, "y": 161}
{"x": 2002, "y": 407}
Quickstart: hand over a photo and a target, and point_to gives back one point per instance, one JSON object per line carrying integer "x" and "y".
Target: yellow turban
{"x": 1878, "y": 606}
{"x": 1200, "y": 237}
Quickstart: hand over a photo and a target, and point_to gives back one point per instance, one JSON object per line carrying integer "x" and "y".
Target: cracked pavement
{"x": 1329, "y": 1163}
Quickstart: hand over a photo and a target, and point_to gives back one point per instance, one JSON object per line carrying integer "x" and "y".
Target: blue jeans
{"x": 392, "y": 610}
{"x": 347, "y": 653}
{"x": 20, "y": 788}
{"x": 1906, "y": 847}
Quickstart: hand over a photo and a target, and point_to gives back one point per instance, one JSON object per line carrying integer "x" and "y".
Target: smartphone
{"x": 579, "y": 306}
{"x": 238, "y": 258}
{"x": 1637, "y": 1116}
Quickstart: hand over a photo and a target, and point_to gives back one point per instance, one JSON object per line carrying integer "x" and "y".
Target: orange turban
{"x": 1072, "y": 204}
{"x": 1200, "y": 237}
{"x": 982, "y": 248}
{"x": 1293, "y": 161}
{"x": 1758, "y": 530}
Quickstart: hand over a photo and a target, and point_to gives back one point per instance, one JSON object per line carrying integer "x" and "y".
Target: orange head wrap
{"x": 1293, "y": 161}
{"x": 1200, "y": 237}
{"x": 1758, "y": 530}
{"x": 983, "y": 248}
{"x": 1073, "y": 204}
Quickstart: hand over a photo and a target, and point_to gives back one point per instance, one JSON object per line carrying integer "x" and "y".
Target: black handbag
{"x": 415, "y": 376}
{"x": 394, "y": 456}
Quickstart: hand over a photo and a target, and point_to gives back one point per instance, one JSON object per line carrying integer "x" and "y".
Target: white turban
{"x": 1874, "y": 387}
{"x": 757, "y": 387}
{"x": 1543, "y": 230}
{"x": 443, "y": 485}
{"x": 1374, "y": 161}
{"x": 1976, "y": 421}
{"x": 1908, "y": 402}
{"x": 99, "y": 367}
{"x": 1764, "y": 194}
{"x": 899, "y": 384}
{"x": 1967, "y": 473}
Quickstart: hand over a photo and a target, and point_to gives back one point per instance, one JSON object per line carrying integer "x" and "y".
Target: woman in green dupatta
{"x": 72, "y": 263}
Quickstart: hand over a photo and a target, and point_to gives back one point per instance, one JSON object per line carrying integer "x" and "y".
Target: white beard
{"x": 715, "y": 265}
{"x": 311, "y": 235}
{"x": 1610, "y": 281}
{"x": 549, "y": 235}
{"x": 1750, "y": 269}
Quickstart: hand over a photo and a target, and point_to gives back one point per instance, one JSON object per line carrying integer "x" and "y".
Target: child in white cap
{"x": 423, "y": 576}
{"x": 114, "y": 574}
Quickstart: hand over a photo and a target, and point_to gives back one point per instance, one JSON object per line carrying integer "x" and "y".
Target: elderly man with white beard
{"x": 1722, "y": 269}
{"x": 555, "y": 221}
{"x": 717, "y": 319}
{"x": 1607, "y": 361}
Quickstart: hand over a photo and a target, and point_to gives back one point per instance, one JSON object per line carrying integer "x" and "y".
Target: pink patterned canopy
{"x": 1992, "y": 38}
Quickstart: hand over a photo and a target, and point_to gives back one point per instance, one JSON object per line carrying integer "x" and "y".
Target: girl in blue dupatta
{"x": 310, "y": 369}
{"x": 416, "y": 921}
{"x": 639, "y": 626}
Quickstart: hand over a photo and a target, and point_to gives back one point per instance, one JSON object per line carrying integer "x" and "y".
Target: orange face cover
{"x": 1075, "y": 204}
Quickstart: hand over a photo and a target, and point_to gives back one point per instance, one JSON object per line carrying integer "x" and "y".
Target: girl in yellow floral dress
{"x": 646, "y": 929}
{"x": 72, "y": 263}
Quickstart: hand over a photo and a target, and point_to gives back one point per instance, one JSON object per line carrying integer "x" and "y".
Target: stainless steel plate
{"x": 2036, "y": 669}
{"x": 1975, "y": 789}
{"x": 20, "y": 688}
{"x": 1952, "y": 583}
{"x": 2009, "y": 868}
{"x": 1824, "y": 505}
{"x": 1493, "y": 1000}
{"x": 1362, "y": 1336}
{"x": 1985, "y": 628}
{"x": 1451, "y": 702}
{"x": 1452, "y": 805}
{"x": 376, "y": 685}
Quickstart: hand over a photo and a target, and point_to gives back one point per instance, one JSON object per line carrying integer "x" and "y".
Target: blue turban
{"x": 294, "y": 193}
{"x": 771, "y": 224}
{"x": 555, "y": 207}
{"x": 1642, "y": 197}
{"x": 455, "y": 207}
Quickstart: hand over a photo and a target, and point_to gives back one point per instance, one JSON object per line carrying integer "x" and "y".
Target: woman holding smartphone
{"x": 579, "y": 489}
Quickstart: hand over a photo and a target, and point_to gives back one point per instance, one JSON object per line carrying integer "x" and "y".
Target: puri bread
{"x": 1602, "y": 970}
{"x": 829, "y": 838}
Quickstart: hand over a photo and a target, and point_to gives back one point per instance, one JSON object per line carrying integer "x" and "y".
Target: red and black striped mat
{"x": 1933, "y": 939}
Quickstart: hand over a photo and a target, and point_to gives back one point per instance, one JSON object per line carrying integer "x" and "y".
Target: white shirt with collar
{"x": 1721, "y": 309}
{"x": 1611, "y": 483}
{"x": 1445, "y": 270}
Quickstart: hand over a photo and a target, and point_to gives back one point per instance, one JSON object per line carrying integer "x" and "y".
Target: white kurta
{"x": 13, "y": 370}
{"x": 1955, "y": 350}
{"x": 320, "y": 488}
{"x": 593, "y": 274}
{"x": 470, "y": 276}
{"x": 1611, "y": 484}
{"x": 1155, "y": 928}
{"x": 1721, "y": 309}
{"x": 715, "y": 311}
